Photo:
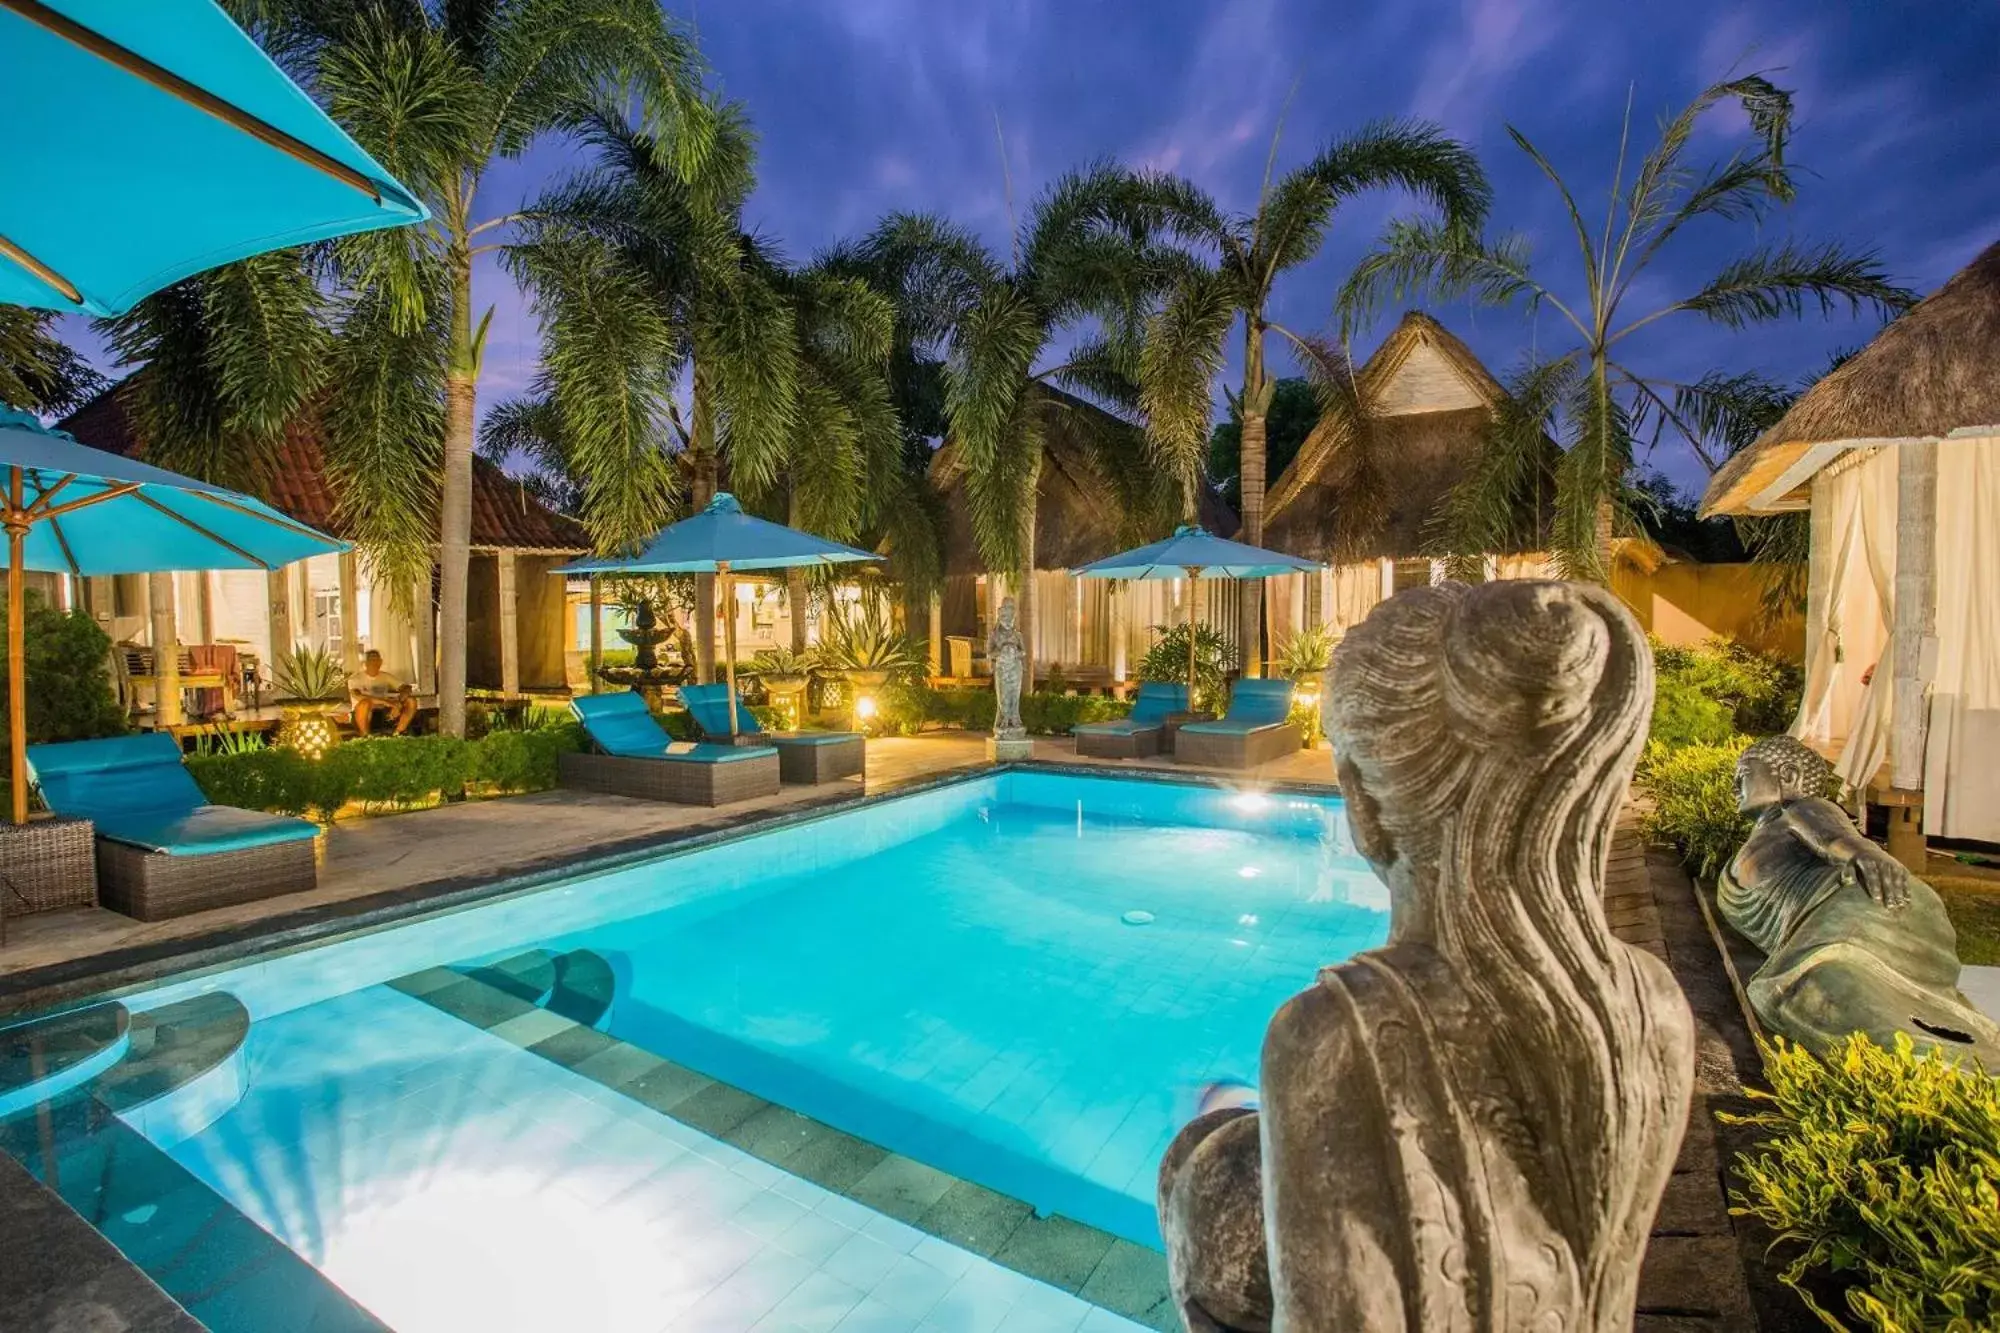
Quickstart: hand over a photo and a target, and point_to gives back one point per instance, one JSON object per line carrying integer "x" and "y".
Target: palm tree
{"x": 1085, "y": 269}
{"x": 437, "y": 94}
{"x": 644, "y": 281}
{"x": 1592, "y": 396}
{"x": 1246, "y": 255}
{"x": 38, "y": 371}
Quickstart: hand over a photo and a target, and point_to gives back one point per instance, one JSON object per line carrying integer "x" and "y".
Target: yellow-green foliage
{"x": 1754, "y": 693}
{"x": 1880, "y": 1175}
{"x": 1694, "y": 802}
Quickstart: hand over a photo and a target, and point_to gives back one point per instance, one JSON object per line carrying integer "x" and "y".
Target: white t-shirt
{"x": 383, "y": 686}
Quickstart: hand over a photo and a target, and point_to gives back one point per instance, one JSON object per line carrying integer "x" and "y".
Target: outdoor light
{"x": 864, "y": 707}
{"x": 310, "y": 734}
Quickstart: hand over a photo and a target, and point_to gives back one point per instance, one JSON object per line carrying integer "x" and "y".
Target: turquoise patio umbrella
{"x": 721, "y": 540}
{"x": 147, "y": 140}
{"x": 1194, "y": 553}
{"x": 71, "y": 509}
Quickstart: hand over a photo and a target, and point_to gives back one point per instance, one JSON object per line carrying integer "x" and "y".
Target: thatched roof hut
{"x": 1098, "y": 491}
{"x": 1930, "y": 375}
{"x": 1428, "y": 400}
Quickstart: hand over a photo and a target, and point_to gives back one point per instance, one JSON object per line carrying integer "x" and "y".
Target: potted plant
{"x": 1304, "y": 659}
{"x": 316, "y": 686}
{"x": 785, "y": 675}
{"x": 864, "y": 649}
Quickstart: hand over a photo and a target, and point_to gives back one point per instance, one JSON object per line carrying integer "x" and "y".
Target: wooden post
{"x": 1120, "y": 592}
{"x": 1915, "y": 611}
{"x": 596, "y": 631}
{"x": 424, "y": 617}
{"x": 937, "y": 633}
{"x": 17, "y": 651}
{"x": 1911, "y": 639}
{"x": 350, "y": 612}
{"x": 728, "y": 592}
{"x": 1075, "y": 634}
{"x": 166, "y": 651}
{"x": 510, "y": 628}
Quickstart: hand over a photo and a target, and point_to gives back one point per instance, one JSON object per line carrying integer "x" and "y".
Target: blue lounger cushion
{"x": 622, "y": 725}
{"x": 135, "y": 790}
{"x": 1157, "y": 698}
{"x": 1253, "y": 705}
{"x": 708, "y": 705}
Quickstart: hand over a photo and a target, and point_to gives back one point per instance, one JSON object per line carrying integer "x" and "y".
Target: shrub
{"x": 1694, "y": 802}
{"x": 907, "y": 708}
{"x": 1881, "y": 1175}
{"x": 1214, "y": 659}
{"x": 1761, "y": 694}
{"x": 69, "y": 679}
{"x": 1050, "y": 714}
{"x": 1683, "y": 715}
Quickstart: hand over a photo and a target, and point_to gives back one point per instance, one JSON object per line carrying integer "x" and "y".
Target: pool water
{"x": 1021, "y": 980}
{"x": 975, "y": 999}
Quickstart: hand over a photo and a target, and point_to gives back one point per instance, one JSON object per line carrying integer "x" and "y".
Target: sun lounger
{"x": 162, "y": 850}
{"x": 1140, "y": 734}
{"x": 1253, "y": 732}
{"x": 803, "y": 756}
{"x": 639, "y": 759}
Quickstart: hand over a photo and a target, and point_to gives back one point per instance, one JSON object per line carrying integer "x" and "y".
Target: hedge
{"x": 908, "y": 709}
{"x": 385, "y": 772}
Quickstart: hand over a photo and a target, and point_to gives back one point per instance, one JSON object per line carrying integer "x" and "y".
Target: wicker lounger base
{"x": 47, "y": 863}
{"x": 814, "y": 764}
{"x": 1210, "y": 749}
{"x": 1143, "y": 743}
{"x": 684, "y": 782}
{"x": 152, "y": 886}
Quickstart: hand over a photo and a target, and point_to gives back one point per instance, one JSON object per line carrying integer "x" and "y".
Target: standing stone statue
{"x": 1008, "y": 653}
{"x": 1853, "y": 941}
{"x": 1470, "y": 1127}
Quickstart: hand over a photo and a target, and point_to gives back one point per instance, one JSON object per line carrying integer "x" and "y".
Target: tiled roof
{"x": 504, "y": 514}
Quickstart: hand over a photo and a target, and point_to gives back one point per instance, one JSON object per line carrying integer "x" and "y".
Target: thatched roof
{"x": 1429, "y": 399}
{"x": 1933, "y": 373}
{"x": 1098, "y": 492}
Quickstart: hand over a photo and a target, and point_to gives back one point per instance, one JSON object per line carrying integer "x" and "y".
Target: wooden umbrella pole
{"x": 728, "y": 599}
{"x": 1194, "y": 590}
{"x": 17, "y": 647}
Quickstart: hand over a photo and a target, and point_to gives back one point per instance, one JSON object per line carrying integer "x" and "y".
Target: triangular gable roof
{"x": 1927, "y": 376}
{"x": 1432, "y": 398}
{"x": 504, "y": 515}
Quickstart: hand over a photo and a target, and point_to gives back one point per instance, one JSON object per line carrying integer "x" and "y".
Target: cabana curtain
{"x": 1960, "y": 768}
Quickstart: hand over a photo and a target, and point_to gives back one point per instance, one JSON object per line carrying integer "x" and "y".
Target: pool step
{"x": 184, "y": 1069}
{"x": 584, "y": 990}
{"x": 526, "y": 976}
{"x": 1103, "y": 1270}
{"x": 42, "y": 1059}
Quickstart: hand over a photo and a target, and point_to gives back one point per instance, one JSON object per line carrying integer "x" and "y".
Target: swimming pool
{"x": 999, "y": 993}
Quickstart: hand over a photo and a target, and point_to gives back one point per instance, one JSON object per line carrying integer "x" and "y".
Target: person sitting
{"x": 374, "y": 691}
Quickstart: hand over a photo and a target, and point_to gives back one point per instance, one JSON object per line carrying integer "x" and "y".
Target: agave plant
{"x": 309, "y": 675}
{"x": 863, "y": 639}
{"x": 781, "y": 663}
{"x": 1306, "y": 653}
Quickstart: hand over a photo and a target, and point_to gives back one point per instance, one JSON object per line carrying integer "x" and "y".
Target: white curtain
{"x": 1850, "y": 577}
{"x": 1962, "y": 753}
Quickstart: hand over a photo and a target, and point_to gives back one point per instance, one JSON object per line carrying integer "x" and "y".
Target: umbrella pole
{"x": 17, "y": 647}
{"x": 1194, "y": 590}
{"x": 728, "y": 638}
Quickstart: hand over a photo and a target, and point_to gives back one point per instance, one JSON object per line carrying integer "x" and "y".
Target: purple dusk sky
{"x": 868, "y": 106}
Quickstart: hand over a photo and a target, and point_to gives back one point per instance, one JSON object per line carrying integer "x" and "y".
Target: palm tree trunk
{"x": 795, "y": 585}
{"x": 1025, "y": 601}
{"x": 455, "y": 501}
{"x": 1256, "y": 402}
{"x": 703, "y": 468}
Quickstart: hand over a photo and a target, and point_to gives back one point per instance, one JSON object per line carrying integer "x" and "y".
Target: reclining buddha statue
{"x": 1470, "y": 1127}
{"x": 1852, "y": 941}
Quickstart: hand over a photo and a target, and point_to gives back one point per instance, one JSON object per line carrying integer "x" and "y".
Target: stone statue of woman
{"x": 1470, "y": 1127}
{"x": 1008, "y": 653}
{"x": 1853, "y": 941}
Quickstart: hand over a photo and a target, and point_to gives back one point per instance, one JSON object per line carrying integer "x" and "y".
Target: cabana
{"x": 1896, "y": 457}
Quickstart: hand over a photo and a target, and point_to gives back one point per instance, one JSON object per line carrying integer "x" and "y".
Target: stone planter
{"x": 307, "y": 726}
{"x": 787, "y": 690}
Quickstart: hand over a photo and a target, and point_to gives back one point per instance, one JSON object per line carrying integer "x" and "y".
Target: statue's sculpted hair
{"x": 1493, "y": 731}
{"x": 1799, "y": 769}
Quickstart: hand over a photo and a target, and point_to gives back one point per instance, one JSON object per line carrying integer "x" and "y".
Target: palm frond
{"x": 1414, "y": 156}
{"x": 38, "y": 370}
{"x": 1418, "y": 260}
{"x": 1511, "y": 476}
{"x": 1783, "y": 280}
{"x": 1182, "y": 356}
